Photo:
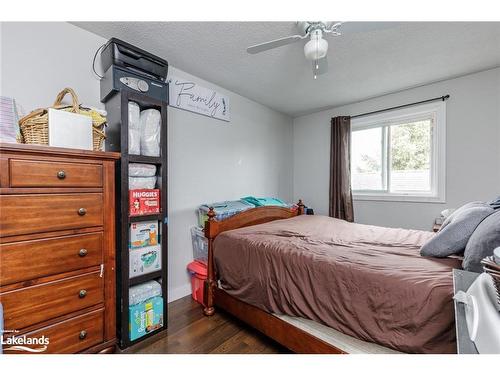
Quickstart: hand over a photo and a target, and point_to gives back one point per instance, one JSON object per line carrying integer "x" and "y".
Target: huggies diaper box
{"x": 144, "y": 260}
{"x": 144, "y": 202}
{"x": 145, "y": 317}
{"x": 144, "y": 233}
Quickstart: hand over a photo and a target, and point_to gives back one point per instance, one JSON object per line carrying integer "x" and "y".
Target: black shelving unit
{"x": 117, "y": 140}
{"x": 136, "y": 219}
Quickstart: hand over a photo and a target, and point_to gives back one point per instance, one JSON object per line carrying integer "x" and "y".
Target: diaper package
{"x": 144, "y": 260}
{"x": 143, "y": 234}
{"x": 144, "y": 202}
{"x": 141, "y": 170}
{"x": 142, "y": 292}
{"x": 134, "y": 126}
{"x": 145, "y": 317}
{"x": 135, "y": 183}
{"x": 150, "y": 120}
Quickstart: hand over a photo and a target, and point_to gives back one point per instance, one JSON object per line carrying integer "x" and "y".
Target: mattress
{"x": 347, "y": 344}
{"x": 364, "y": 281}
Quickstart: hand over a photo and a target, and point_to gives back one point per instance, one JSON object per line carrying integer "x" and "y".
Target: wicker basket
{"x": 35, "y": 126}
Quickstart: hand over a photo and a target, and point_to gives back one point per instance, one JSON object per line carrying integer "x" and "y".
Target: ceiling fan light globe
{"x": 315, "y": 49}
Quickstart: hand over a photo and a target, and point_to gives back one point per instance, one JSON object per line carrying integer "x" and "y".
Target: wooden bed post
{"x": 214, "y": 227}
{"x": 209, "y": 309}
{"x": 301, "y": 207}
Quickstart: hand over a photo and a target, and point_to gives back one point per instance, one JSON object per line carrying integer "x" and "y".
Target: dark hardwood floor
{"x": 189, "y": 331}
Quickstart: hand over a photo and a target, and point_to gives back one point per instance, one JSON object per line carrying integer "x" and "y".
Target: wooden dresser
{"x": 57, "y": 247}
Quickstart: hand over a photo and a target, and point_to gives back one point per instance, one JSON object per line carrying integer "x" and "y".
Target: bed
{"x": 284, "y": 273}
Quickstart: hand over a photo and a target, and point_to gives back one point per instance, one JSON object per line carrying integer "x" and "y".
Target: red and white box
{"x": 144, "y": 202}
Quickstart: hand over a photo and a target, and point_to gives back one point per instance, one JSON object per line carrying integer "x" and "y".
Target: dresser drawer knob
{"x": 82, "y": 211}
{"x": 61, "y": 175}
{"x": 82, "y": 252}
{"x": 83, "y": 335}
{"x": 82, "y": 293}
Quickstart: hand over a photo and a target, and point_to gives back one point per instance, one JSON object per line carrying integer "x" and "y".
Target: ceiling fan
{"x": 315, "y": 49}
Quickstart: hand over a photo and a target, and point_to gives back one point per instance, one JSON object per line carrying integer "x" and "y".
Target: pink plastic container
{"x": 198, "y": 272}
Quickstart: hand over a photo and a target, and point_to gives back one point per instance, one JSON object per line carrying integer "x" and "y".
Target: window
{"x": 400, "y": 155}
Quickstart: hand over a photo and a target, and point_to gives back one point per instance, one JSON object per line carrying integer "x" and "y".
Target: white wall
{"x": 472, "y": 160}
{"x": 209, "y": 160}
{"x": 40, "y": 59}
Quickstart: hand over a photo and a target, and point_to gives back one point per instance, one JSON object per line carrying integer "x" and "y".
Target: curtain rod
{"x": 443, "y": 98}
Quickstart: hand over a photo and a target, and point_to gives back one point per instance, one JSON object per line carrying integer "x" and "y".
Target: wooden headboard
{"x": 254, "y": 216}
{"x": 249, "y": 217}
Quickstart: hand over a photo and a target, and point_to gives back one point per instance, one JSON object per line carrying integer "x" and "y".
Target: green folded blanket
{"x": 258, "y": 202}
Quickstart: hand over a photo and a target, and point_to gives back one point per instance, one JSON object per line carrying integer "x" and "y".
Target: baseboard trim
{"x": 179, "y": 292}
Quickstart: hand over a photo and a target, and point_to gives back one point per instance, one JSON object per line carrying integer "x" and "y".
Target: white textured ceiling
{"x": 361, "y": 65}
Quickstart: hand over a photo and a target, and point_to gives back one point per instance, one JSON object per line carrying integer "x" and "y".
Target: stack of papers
{"x": 9, "y": 127}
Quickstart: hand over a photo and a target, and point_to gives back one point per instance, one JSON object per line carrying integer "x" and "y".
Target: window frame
{"x": 437, "y": 111}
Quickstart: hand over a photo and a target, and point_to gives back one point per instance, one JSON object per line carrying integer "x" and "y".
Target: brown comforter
{"x": 365, "y": 281}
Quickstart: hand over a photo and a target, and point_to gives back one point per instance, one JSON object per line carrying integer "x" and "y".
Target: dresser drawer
{"x": 35, "y": 304}
{"x": 33, "y": 173}
{"x": 37, "y": 213}
{"x": 26, "y": 260}
{"x": 72, "y": 335}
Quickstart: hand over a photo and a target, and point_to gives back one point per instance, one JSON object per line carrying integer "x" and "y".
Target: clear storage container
{"x": 200, "y": 244}
{"x": 223, "y": 210}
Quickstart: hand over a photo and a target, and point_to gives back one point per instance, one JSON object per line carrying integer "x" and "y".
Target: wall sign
{"x": 188, "y": 95}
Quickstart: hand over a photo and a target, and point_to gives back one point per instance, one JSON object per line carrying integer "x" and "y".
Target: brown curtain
{"x": 340, "y": 169}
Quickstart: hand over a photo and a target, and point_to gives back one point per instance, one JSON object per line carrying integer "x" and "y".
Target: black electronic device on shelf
{"x": 117, "y": 78}
{"x": 134, "y": 59}
{"x": 117, "y": 139}
{"x": 129, "y": 67}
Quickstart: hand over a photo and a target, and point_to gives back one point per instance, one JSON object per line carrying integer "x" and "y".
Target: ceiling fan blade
{"x": 274, "y": 43}
{"x": 320, "y": 66}
{"x": 362, "y": 27}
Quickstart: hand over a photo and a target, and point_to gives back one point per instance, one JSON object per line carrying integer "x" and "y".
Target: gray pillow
{"x": 483, "y": 241}
{"x": 453, "y": 239}
{"x": 452, "y": 216}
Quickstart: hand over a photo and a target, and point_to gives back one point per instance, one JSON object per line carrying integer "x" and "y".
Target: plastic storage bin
{"x": 200, "y": 245}
{"x": 223, "y": 210}
{"x": 198, "y": 272}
